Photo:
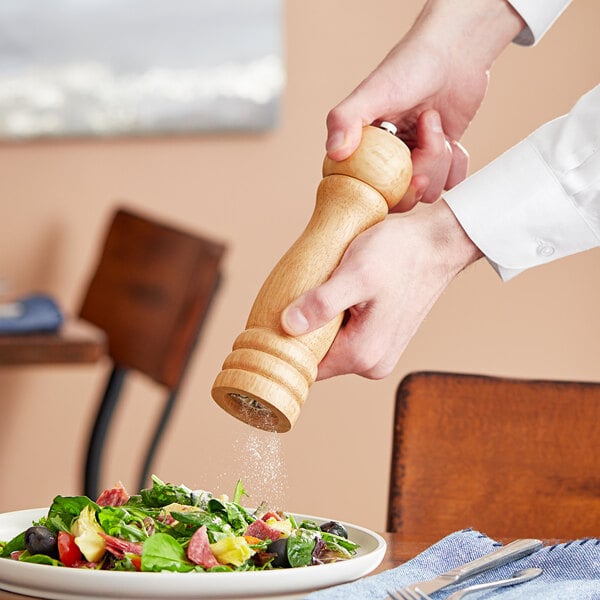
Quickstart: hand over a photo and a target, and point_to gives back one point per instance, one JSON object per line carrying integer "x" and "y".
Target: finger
{"x": 344, "y": 131}
{"x": 433, "y": 154}
{"x": 345, "y": 355}
{"x": 345, "y": 123}
{"x": 357, "y": 350}
{"x": 438, "y": 175}
{"x": 459, "y": 165}
{"x": 370, "y": 102}
{"x": 430, "y": 134}
{"x": 319, "y": 306}
{"x": 413, "y": 195}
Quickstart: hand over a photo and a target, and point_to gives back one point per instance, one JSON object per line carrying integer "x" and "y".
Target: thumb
{"x": 345, "y": 121}
{"x": 344, "y": 131}
{"x": 294, "y": 320}
{"x": 317, "y": 307}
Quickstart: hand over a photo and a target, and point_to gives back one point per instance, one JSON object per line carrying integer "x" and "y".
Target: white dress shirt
{"x": 540, "y": 200}
{"x": 539, "y": 15}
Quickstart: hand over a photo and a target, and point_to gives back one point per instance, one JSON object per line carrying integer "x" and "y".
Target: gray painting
{"x": 123, "y": 67}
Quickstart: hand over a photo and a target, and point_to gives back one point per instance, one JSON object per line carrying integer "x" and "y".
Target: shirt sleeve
{"x": 539, "y": 15}
{"x": 540, "y": 200}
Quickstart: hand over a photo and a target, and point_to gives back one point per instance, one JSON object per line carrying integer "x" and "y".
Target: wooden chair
{"x": 511, "y": 458}
{"x": 150, "y": 292}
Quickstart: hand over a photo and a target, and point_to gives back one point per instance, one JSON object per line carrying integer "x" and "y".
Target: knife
{"x": 505, "y": 554}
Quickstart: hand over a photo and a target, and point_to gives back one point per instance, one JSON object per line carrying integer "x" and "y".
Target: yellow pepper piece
{"x": 284, "y": 526}
{"x": 232, "y": 551}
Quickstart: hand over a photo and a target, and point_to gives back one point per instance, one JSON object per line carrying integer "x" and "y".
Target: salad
{"x": 173, "y": 528}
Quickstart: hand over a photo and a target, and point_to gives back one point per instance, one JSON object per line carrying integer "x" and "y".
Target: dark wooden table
{"x": 397, "y": 553}
{"x": 77, "y": 341}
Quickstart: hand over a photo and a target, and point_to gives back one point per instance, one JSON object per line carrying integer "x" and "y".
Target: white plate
{"x": 61, "y": 583}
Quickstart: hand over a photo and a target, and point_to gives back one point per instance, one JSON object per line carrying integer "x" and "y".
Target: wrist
{"x": 453, "y": 247}
{"x": 480, "y": 29}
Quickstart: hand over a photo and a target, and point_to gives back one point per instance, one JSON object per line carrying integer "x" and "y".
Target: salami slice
{"x": 118, "y": 547}
{"x": 259, "y": 529}
{"x": 198, "y": 550}
{"x": 116, "y": 496}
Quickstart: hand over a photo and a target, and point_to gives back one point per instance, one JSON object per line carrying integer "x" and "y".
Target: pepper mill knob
{"x": 266, "y": 378}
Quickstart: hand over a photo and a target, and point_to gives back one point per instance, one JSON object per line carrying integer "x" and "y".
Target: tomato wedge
{"x": 136, "y": 561}
{"x": 68, "y": 551}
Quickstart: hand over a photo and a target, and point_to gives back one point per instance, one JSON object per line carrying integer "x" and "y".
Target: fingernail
{"x": 435, "y": 122}
{"x": 335, "y": 141}
{"x": 295, "y": 320}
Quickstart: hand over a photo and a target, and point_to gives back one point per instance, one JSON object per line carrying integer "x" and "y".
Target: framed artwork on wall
{"x": 132, "y": 67}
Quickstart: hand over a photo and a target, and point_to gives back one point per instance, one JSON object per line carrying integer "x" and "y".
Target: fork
{"x": 517, "y": 577}
{"x": 408, "y": 594}
{"x": 503, "y": 555}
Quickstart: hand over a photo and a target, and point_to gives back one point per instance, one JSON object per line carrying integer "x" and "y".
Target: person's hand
{"x": 440, "y": 67}
{"x": 389, "y": 278}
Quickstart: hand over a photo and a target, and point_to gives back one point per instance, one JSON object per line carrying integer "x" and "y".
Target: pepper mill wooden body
{"x": 266, "y": 378}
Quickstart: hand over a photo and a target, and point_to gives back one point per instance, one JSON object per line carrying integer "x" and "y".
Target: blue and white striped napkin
{"x": 571, "y": 571}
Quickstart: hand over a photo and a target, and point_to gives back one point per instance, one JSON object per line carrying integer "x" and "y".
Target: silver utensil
{"x": 505, "y": 554}
{"x": 517, "y": 577}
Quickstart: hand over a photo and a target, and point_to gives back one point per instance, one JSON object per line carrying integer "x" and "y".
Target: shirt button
{"x": 545, "y": 250}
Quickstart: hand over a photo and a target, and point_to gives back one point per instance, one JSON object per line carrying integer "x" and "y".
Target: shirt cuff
{"x": 518, "y": 214}
{"x": 539, "y": 16}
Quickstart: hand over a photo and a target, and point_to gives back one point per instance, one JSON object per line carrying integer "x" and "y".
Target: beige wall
{"x": 256, "y": 192}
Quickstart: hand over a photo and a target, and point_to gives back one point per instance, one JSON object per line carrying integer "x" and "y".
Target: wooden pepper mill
{"x": 266, "y": 378}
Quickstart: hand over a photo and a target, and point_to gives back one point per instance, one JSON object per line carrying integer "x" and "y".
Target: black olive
{"x": 335, "y": 528}
{"x": 279, "y": 549}
{"x": 40, "y": 540}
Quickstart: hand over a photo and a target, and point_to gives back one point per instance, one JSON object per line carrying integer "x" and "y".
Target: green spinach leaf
{"x": 214, "y": 523}
{"x": 163, "y": 493}
{"x": 40, "y": 559}
{"x": 15, "y": 545}
{"x": 300, "y": 546}
{"x": 341, "y": 544}
{"x": 239, "y": 492}
{"x": 236, "y": 518}
{"x": 125, "y": 523}
{"x": 65, "y": 509}
{"x": 162, "y": 552}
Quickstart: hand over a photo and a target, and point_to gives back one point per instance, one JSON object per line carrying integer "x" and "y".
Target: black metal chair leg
{"x": 98, "y": 435}
{"x": 155, "y": 440}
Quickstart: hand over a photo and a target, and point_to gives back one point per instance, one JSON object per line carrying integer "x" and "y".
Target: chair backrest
{"x": 509, "y": 457}
{"x": 150, "y": 293}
